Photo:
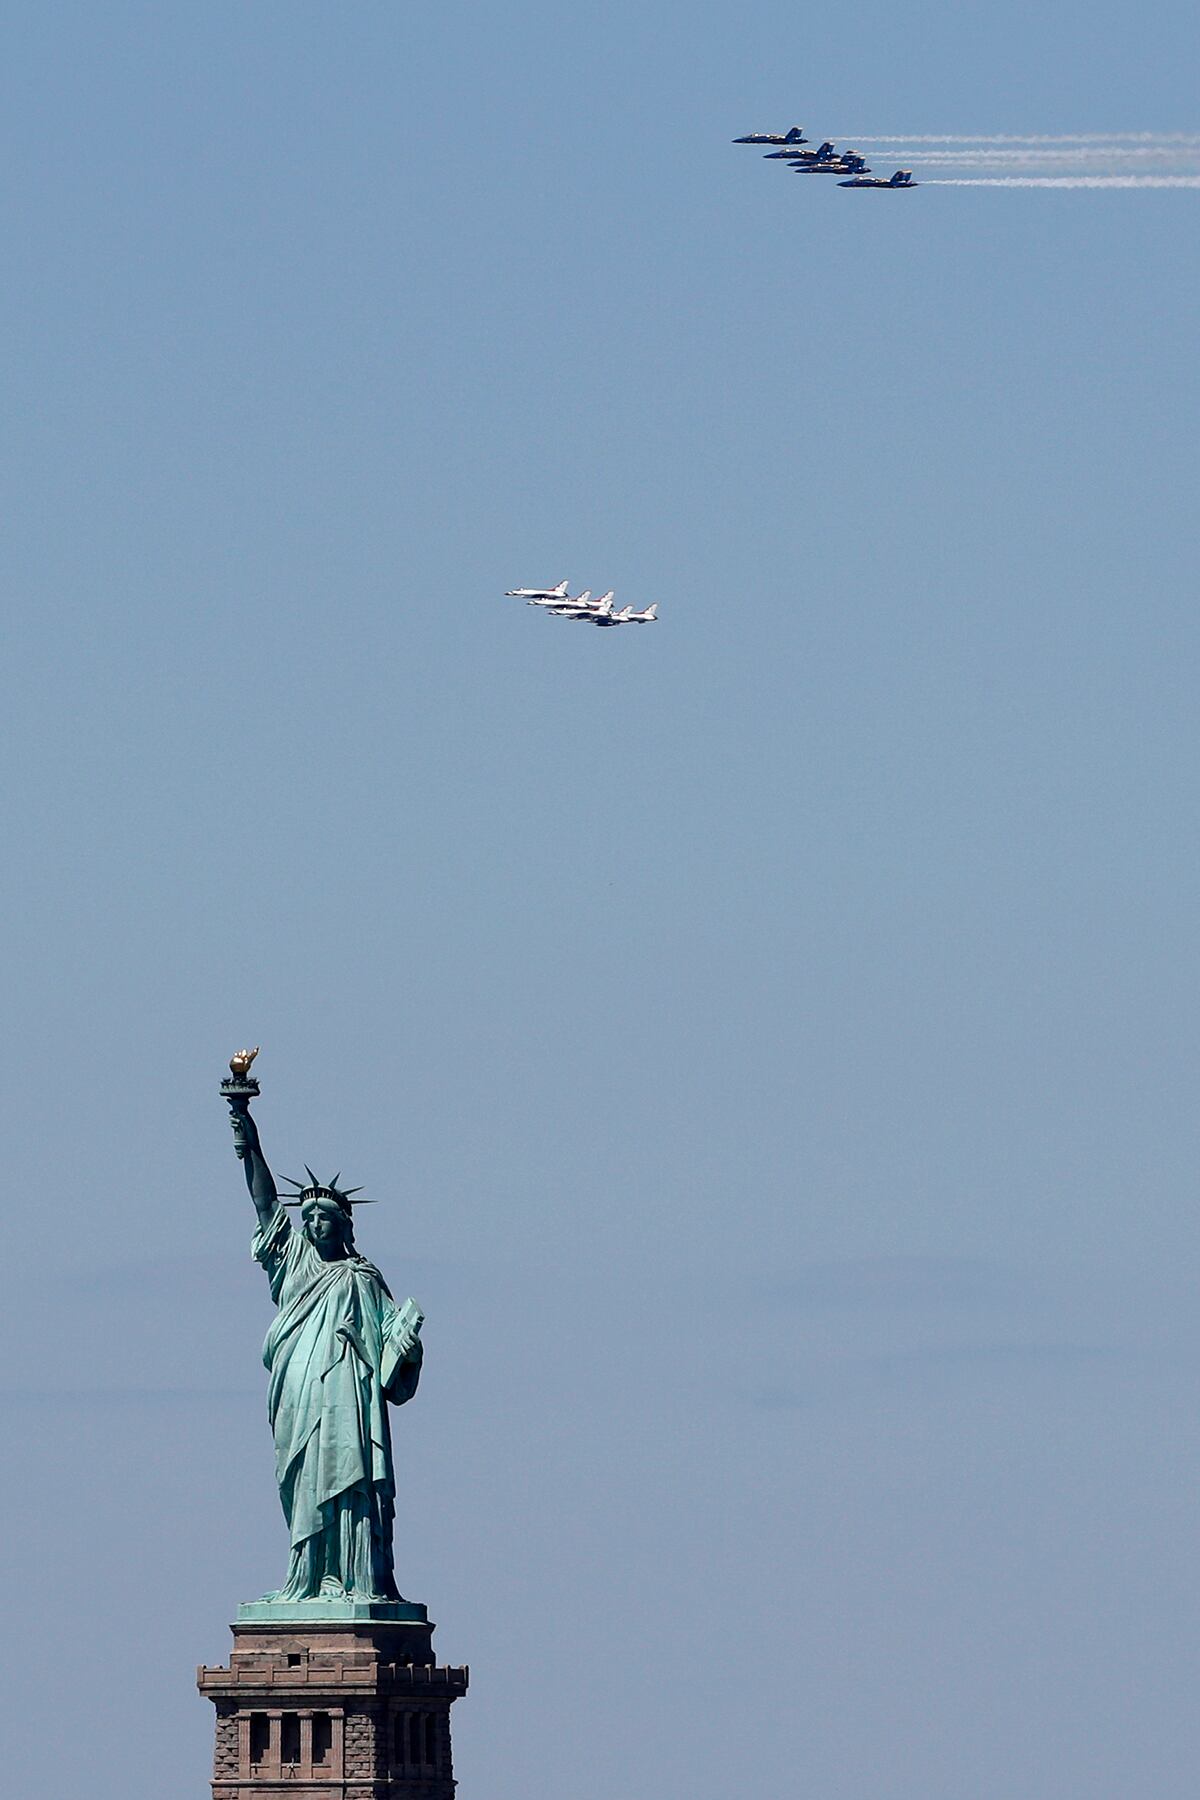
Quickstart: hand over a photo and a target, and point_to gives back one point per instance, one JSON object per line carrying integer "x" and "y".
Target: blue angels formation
{"x": 583, "y": 608}
{"x": 824, "y": 160}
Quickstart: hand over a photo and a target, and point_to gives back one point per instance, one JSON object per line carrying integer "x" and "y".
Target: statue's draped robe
{"x": 332, "y": 1356}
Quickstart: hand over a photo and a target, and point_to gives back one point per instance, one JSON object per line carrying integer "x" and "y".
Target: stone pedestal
{"x": 333, "y": 1708}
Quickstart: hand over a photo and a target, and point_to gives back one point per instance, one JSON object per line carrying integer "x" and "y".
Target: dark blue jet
{"x": 794, "y": 136}
{"x": 822, "y": 154}
{"x": 901, "y": 179}
{"x": 850, "y": 163}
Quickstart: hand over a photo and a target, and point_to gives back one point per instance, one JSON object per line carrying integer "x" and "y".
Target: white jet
{"x": 560, "y": 604}
{"x": 599, "y": 609}
{"x": 554, "y": 593}
{"x": 627, "y": 616}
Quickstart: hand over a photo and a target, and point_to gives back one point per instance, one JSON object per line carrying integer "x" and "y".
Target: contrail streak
{"x": 1006, "y": 137}
{"x": 1001, "y": 158}
{"x": 1065, "y": 181}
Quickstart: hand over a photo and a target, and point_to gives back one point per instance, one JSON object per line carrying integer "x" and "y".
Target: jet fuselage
{"x": 901, "y": 179}
{"x": 794, "y": 136}
{"x": 554, "y": 593}
{"x": 822, "y": 154}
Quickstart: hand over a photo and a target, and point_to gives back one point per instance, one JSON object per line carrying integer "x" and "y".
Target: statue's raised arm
{"x": 239, "y": 1091}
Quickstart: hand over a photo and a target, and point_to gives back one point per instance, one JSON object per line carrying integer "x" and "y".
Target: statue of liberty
{"x": 338, "y": 1350}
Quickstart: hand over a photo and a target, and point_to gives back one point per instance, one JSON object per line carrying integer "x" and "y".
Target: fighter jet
{"x": 600, "y": 612}
{"x": 848, "y": 163}
{"x": 901, "y": 179}
{"x": 821, "y": 154}
{"x": 556, "y": 593}
{"x": 585, "y": 607}
{"x": 794, "y": 136}
{"x": 559, "y": 602}
{"x": 626, "y": 616}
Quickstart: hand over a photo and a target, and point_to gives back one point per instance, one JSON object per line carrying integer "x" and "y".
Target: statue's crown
{"x": 312, "y": 1189}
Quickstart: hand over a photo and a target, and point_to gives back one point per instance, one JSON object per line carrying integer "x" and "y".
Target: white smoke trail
{"x": 1168, "y": 153}
{"x": 1006, "y": 137}
{"x": 1064, "y": 181}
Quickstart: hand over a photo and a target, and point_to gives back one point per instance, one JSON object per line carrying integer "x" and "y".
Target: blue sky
{"x": 771, "y": 1035}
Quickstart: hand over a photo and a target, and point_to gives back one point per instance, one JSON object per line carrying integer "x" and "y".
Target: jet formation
{"x": 826, "y": 159}
{"x": 583, "y": 609}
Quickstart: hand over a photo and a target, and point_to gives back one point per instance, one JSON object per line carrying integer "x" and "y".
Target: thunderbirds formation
{"x": 583, "y": 608}
{"x": 825, "y": 160}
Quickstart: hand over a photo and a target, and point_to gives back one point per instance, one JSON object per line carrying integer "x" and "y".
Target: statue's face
{"x": 324, "y": 1226}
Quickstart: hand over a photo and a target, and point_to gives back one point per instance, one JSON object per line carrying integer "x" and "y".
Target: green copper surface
{"x": 269, "y": 1612}
{"x": 339, "y": 1353}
